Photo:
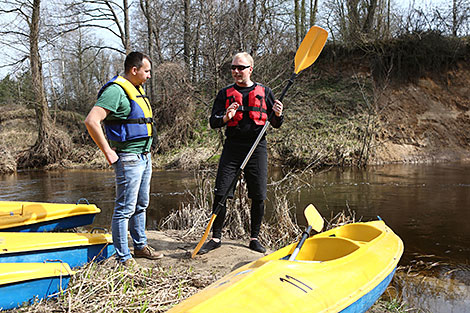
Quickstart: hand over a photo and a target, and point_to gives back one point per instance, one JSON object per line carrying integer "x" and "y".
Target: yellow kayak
{"x": 76, "y": 249}
{"x": 21, "y": 216}
{"x": 26, "y": 282}
{"x": 345, "y": 269}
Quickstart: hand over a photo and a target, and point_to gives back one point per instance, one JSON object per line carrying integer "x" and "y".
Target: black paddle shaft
{"x": 305, "y": 235}
{"x": 253, "y": 147}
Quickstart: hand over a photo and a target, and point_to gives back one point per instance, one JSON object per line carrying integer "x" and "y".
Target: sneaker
{"x": 256, "y": 246}
{"x": 208, "y": 246}
{"x": 148, "y": 253}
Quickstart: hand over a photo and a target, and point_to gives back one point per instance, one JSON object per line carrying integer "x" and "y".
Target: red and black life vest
{"x": 257, "y": 109}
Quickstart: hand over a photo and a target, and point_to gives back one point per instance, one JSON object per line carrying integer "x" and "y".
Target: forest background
{"x": 391, "y": 85}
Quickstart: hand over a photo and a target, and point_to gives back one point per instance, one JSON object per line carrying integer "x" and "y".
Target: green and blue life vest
{"x": 139, "y": 122}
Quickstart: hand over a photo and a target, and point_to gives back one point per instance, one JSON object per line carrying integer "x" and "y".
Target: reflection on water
{"x": 426, "y": 205}
{"x": 168, "y": 190}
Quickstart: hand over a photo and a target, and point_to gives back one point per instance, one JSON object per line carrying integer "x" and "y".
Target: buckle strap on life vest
{"x": 243, "y": 108}
{"x": 142, "y": 120}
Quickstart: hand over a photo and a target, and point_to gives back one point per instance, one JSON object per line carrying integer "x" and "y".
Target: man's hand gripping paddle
{"x": 314, "y": 221}
{"x": 307, "y": 53}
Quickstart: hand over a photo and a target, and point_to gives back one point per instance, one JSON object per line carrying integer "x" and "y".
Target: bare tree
{"x": 50, "y": 145}
{"x": 242, "y": 25}
{"x": 152, "y": 40}
{"x": 109, "y": 15}
{"x": 205, "y": 34}
{"x": 303, "y": 19}
{"x": 42, "y": 111}
{"x": 297, "y": 22}
{"x": 370, "y": 17}
{"x": 187, "y": 33}
{"x": 313, "y": 12}
{"x": 358, "y": 21}
{"x": 80, "y": 69}
{"x": 460, "y": 16}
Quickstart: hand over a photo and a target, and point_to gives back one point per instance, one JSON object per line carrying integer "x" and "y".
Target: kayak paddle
{"x": 314, "y": 221}
{"x": 306, "y": 54}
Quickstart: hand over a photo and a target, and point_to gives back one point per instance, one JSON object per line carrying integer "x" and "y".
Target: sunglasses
{"x": 239, "y": 67}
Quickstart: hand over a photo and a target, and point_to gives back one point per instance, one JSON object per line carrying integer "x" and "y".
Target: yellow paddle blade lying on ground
{"x": 310, "y": 48}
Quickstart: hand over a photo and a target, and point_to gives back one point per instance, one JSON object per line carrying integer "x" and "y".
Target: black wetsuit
{"x": 239, "y": 140}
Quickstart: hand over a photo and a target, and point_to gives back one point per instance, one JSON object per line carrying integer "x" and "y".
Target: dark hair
{"x": 134, "y": 59}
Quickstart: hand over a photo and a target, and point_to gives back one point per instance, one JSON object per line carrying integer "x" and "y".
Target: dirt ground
{"x": 177, "y": 253}
{"x": 428, "y": 121}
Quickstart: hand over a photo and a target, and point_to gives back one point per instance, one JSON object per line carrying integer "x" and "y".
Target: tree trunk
{"x": 187, "y": 34}
{"x": 50, "y": 146}
{"x": 145, "y": 7}
{"x": 256, "y": 31}
{"x": 370, "y": 17}
{"x": 313, "y": 12}
{"x": 127, "y": 33}
{"x": 42, "y": 112}
{"x": 388, "y": 34}
{"x": 354, "y": 27}
{"x": 242, "y": 25}
{"x": 297, "y": 22}
{"x": 454, "y": 18}
{"x": 196, "y": 53}
{"x": 124, "y": 30}
{"x": 303, "y": 22}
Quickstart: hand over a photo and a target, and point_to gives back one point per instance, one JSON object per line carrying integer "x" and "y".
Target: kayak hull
{"x": 26, "y": 283}
{"x": 60, "y": 224}
{"x": 345, "y": 269}
{"x": 366, "y": 301}
{"x": 17, "y": 216}
{"x": 75, "y": 249}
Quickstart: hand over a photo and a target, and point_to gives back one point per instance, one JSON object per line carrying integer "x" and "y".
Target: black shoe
{"x": 256, "y": 246}
{"x": 208, "y": 246}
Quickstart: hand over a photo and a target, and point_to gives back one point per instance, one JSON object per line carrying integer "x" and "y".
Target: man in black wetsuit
{"x": 244, "y": 107}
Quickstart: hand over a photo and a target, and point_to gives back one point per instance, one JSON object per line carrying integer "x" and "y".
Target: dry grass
{"x": 280, "y": 230}
{"x": 108, "y": 288}
{"x": 179, "y": 110}
{"x": 193, "y": 217}
{"x": 7, "y": 161}
{"x": 340, "y": 219}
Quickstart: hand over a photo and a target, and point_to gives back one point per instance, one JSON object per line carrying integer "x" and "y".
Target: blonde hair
{"x": 244, "y": 55}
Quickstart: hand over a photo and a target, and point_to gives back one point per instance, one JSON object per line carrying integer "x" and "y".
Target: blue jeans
{"x": 133, "y": 174}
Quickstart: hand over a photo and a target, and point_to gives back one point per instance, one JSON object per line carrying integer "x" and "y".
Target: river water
{"x": 428, "y": 206}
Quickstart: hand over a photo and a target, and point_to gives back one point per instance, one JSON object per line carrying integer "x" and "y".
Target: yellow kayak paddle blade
{"x": 204, "y": 237}
{"x": 310, "y": 48}
{"x": 314, "y": 218}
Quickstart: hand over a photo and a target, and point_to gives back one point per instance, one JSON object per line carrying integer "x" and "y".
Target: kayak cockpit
{"x": 357, "y": 232}
{"x": 337, "y": 243}
{"x": 325, "y": 249}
